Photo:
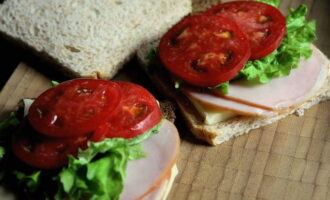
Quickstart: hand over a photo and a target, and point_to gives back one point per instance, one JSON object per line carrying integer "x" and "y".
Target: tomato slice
{"x": 100, "y": 133}
{"x": 43, "y": 151}
{"x": 139, "y": 112}
{"x": 74, "y": 108}
{"x": 204, "y": 50}
{"x": 264, "y": 24}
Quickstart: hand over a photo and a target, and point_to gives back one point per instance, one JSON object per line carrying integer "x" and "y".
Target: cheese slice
{"x": 212, "y": 116}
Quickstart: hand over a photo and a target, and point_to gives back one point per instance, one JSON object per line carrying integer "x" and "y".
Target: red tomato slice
{"x": 204, "y": 50}
{"x": 42, "y": 151}
{"x": 264, "y": 24}
{"x": 74, "y": 108}
{"x": 100, "y": 133}
{"x": 139, "y": 112}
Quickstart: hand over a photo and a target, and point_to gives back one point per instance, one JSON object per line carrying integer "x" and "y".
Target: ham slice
{"x": 162, "y": 191}
{"x": 147, "y": 175}
{"x": 218, "y": 103}
{"x": 284, "y": 92}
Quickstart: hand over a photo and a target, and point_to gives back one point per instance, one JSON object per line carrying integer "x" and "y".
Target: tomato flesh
{"x": 74, "y": 108}
{"x": 42, "y": 151}
{"x": 139, "y": 112}
{"x": 204, "y": 50}
{"x": 264, "y": 25}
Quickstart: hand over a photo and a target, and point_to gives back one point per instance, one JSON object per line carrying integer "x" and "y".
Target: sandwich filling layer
{"x": 147, "y": 174}
{"x": 264, "y": 100}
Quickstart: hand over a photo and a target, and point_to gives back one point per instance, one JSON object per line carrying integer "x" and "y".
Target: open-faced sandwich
{"x": 238, "y": 66}
{"x": 89, "y": 139}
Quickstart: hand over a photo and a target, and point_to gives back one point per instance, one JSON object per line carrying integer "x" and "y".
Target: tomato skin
{"x": 264, "y": 25}
{"x": 42, "y": 151}
{"x": 74, "y": 108}
{"x": 204, "y": 50}
{"x": 139, "y": 112}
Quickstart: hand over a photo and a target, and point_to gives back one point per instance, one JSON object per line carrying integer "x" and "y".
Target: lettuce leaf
{"x": 99, "y": 171}
{"x": 274, "y": 3}
{"x": 98, "y": 177}
{"x": 2, "y": 152}
{"x": 31, "y": 181}
{"x": 54, "y": 83}
{"x": 138, "y": 139}
{"x": 10, "y": 120}
{"x": 223, "y": 87}
{"x": 295, "y": 46}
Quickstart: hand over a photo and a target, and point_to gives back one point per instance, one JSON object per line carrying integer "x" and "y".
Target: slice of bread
{"x": 222, "y": 131}
{"x": 89, "y": 38}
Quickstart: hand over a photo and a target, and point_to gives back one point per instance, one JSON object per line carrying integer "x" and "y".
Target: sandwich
{"x": 239, "y": 66}
{"x": 89, "y": 139}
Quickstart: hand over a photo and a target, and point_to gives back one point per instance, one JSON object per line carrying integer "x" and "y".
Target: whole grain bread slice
{"x": 89, "y": 38}
{"x": 222, "y": 131}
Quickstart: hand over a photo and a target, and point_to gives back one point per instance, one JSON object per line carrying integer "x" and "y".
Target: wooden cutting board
{"x": 289, "y": 159}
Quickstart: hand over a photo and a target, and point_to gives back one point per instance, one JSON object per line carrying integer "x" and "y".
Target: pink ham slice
{"x": 285, "y": 92}
{"x": 215, "y": 102}
{"x": 145, "y": 175}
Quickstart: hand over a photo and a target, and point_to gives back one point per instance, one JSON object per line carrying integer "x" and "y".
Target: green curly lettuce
{"x": 222, "y": 88}
{"x": 10, "y": 121}
{"x": 54, "y": 83}
{"x": 98, "y": 177}
{"x": 274, "y": 3}
{"x": 90, "y": 177}
{"x": 31, "y": 181}
{"x": 295, "y": 46}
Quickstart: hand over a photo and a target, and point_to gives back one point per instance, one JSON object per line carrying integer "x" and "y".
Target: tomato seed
{"x": 194, "y": 65}
{"x": 263, "y": 19}
{"x": 225, "y": 35}
{"x": 180, "y": 34}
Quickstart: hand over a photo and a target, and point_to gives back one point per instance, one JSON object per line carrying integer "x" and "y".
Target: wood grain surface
{"x": 286, "y": 160}
{"x": 289, "y": 159}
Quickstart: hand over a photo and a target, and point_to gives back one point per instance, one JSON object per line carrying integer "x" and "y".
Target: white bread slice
{"x": 89, "y": 38}
{"x": 222, "y": 131}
